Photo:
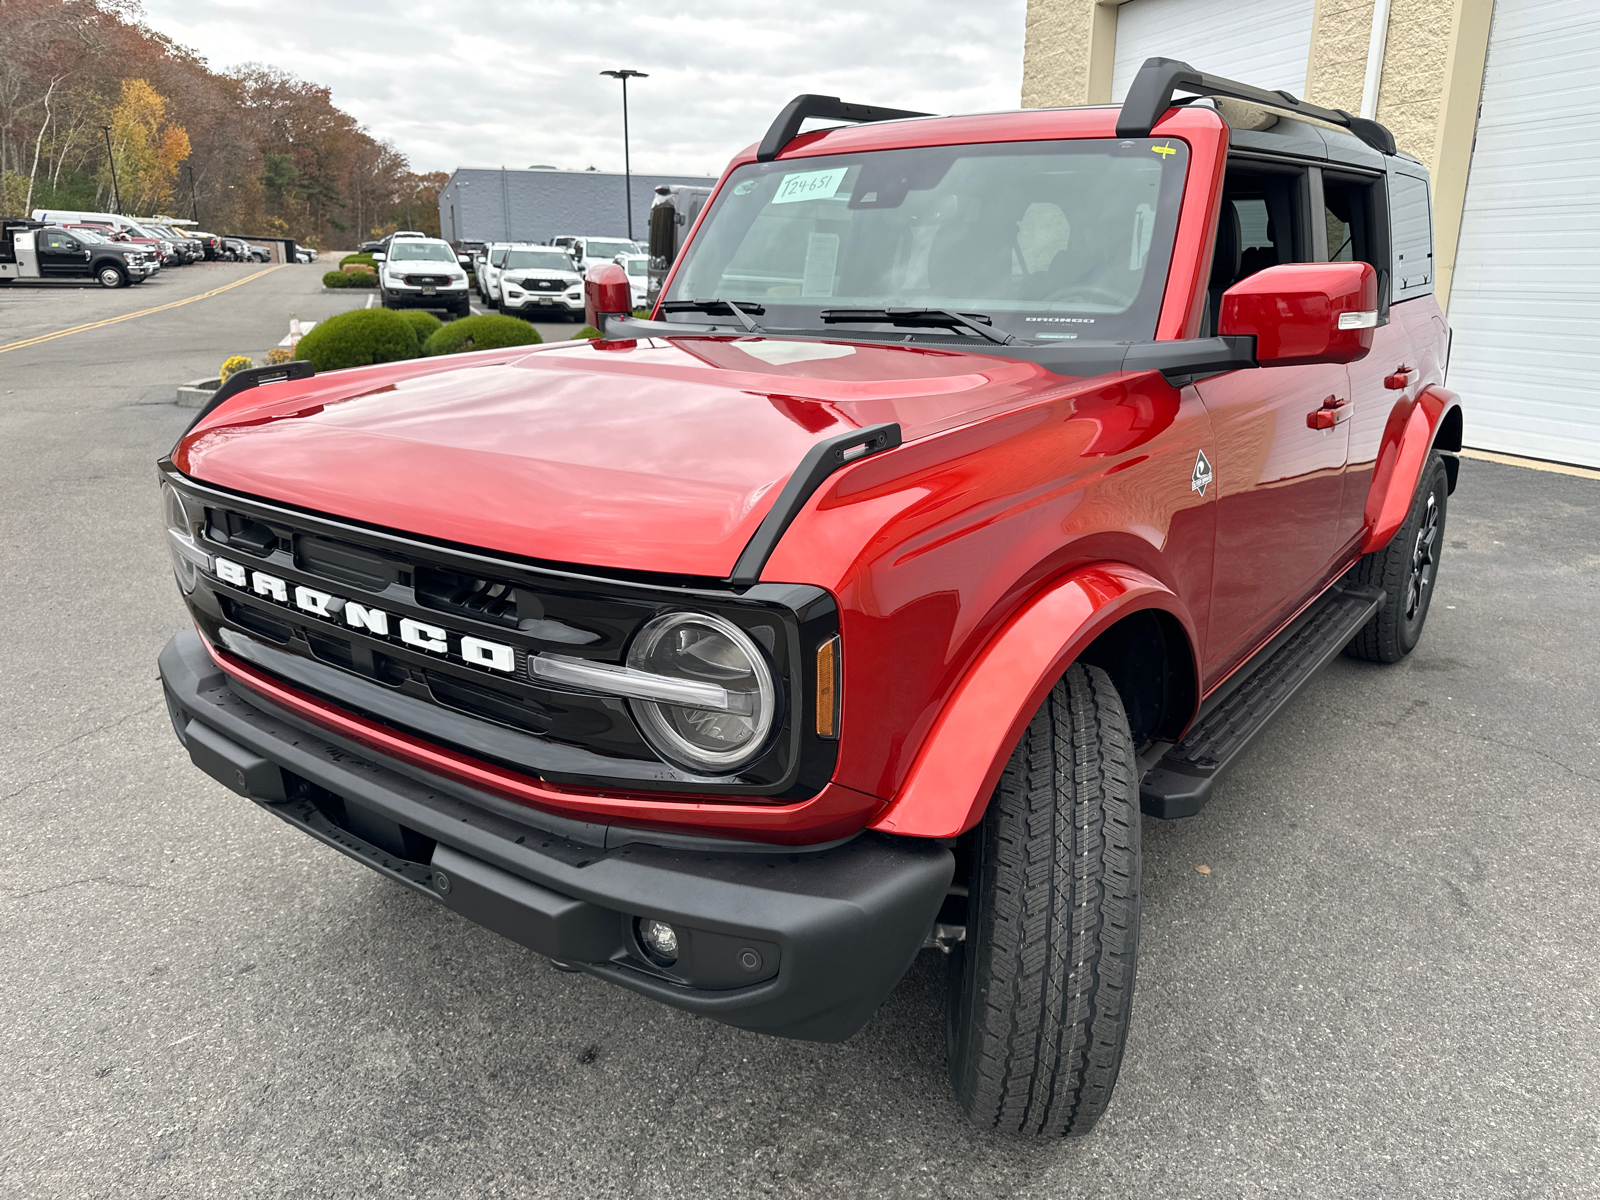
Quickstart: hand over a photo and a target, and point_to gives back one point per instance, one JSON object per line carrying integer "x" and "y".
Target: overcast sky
{"x": 488, "y": 83}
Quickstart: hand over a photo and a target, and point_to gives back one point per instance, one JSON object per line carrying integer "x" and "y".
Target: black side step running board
{"x": 1181, "y": 781}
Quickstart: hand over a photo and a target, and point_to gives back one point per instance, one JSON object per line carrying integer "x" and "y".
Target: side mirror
{"x": 1301, "y": 313}
{"x": 379, "y": 256}
{"x": 606, "y": 294}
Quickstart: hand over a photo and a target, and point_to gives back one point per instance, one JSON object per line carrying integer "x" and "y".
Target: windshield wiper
{"x": 714, "y": 307}
{"x": 912, "y": 317}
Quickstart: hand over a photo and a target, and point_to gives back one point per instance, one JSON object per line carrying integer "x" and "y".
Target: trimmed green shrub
{"x": 361, "y": 279}
{"x": 425, "y": 324}
{"x": 358, "y": 337}
{"x": 361, "y": 260}
{"x": 335, "y": 279}
{"x": 488, "y": 332}
{"x": 588, "y": 331}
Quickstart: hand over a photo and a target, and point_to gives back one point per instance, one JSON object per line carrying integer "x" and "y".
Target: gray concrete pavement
{"x": 1387, "y": 985}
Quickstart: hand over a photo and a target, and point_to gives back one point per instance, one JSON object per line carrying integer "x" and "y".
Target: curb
{"x": 195, "y": 393}
{"x": 346, "y": 291}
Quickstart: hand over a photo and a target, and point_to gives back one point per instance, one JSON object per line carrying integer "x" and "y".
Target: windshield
{"x": 637, "y": 266}
{"x": 89, "y": 236}
{"x": 414, "y": 248}
{"x": 596, "y": 248}
{"x": 540, "y": 260}
{"x": 1051, "y": 240}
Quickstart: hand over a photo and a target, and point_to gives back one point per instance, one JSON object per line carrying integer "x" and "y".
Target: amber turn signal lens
{"x": 827, "y": 688}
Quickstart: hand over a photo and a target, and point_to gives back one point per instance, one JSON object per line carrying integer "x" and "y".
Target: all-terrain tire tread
{"x": 1059, "y": 877}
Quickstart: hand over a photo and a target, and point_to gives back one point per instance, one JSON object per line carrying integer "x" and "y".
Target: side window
{"x": 1262, "y": 224}
{"x": 1411, "y": 226}
{"x": 1356, "y": 220}
{"x": 60, "y": 242}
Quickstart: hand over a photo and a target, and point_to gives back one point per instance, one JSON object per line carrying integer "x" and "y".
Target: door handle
{"x": 1333, "y": 411}
{"x": 1398, "y": 381}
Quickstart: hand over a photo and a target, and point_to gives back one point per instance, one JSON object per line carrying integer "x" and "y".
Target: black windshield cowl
{"x": 716, "y": 308}
{"x": 917, "y": 317}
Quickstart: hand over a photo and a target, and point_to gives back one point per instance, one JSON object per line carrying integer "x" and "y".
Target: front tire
{"x": 1042, "y": 988}
{"x": 1407, "y": 570}
{"x": 111, "y": 277}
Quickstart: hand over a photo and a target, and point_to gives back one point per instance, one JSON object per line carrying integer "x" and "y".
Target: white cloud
{"x": 498, "y": 82}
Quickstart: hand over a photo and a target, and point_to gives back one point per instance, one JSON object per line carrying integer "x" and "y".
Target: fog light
{"x": 660, "y": 940}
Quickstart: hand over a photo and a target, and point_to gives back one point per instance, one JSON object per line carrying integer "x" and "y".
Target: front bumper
{"x": 555, "y": 302}
{"x": 415, "y": 297}
{"x": 803, "y": 944}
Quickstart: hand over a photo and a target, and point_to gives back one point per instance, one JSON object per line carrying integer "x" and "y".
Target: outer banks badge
{"x": 1202, "y": 473}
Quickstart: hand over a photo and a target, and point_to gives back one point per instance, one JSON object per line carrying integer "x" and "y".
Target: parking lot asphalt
{"x": 1388, "y": 984}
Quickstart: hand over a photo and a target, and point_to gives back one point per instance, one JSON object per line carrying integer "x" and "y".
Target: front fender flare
{"x": 948, "y": 787}
{"x": 1406, "y": 441}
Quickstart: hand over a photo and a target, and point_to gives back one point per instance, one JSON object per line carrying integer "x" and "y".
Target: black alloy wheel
{"x": 1407, "y": 570}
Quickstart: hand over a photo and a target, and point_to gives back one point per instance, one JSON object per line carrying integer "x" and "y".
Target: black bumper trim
{"x": 832, "y": 930}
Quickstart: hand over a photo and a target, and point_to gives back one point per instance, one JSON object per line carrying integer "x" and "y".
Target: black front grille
{"x": 543, "y": 285}
{"x": 426, "y": 280}
{"x": 311, "y": 624}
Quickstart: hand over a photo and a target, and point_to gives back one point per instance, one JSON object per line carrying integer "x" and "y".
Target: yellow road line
{"x": 1533, "y": 464}
{"x": 143, "y": 312}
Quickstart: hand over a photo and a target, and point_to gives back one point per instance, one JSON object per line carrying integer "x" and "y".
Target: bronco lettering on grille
{"x": 418, "y": 635}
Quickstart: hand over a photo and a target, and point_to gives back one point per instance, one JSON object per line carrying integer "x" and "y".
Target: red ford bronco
{"x": 976, "y": 483}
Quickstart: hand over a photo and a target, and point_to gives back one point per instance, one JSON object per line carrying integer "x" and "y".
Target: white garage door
{"x": 1264, "y": 42}
{"x": 1525, "y": 304}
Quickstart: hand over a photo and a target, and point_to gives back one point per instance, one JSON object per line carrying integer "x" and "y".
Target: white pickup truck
{"x": 33, "y": 250}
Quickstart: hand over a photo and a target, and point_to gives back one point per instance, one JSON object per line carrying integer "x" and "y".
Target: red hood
{"x": 650, "y": 456}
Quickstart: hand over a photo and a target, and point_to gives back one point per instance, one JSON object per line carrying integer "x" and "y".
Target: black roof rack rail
{"x": 827, "y": 108}
{"x": 1151, "y": 95}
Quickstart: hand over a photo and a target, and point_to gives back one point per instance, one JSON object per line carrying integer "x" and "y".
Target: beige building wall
{"x": 1428, "y": 94}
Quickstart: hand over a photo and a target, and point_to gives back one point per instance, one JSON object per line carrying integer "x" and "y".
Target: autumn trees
{"x": 255, "y": 151}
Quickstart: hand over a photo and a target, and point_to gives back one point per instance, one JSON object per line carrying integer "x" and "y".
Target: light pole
{"x": 627, "y": 165}
{"x": 194, "y": 205}
{"x": 111, "y": 158}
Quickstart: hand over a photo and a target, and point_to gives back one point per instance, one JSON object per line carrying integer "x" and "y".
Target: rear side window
{"x": 1356, "y": 218}
{"x": 1411, "y": 222}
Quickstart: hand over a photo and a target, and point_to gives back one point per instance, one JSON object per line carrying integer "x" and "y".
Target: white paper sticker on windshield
{"x": 822, "y": 256}
{"x": 809, "y": 185}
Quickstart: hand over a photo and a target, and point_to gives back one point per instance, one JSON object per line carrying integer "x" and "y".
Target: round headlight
{"x": 180, "y": 537}
{"x": 176, "y": 514}
{"x": 706, "y": 649}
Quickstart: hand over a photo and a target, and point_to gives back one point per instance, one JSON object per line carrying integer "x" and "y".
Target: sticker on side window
{"x": 809, "y": 185}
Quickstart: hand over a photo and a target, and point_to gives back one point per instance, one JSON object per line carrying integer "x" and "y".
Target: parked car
{"x": 419, "y": 272}
{"x": 673, "y": 212}
{"x": 986, "y": 480}
{"x": 592, "y": 251}
{"x": 637, "y": 268}
{"x": 489, "y": 276}
{"x": 538, "y": 279}
{"x": 235, "y": 249}
{"x": 467, "y": 252}
{"x": 210, "y": 243}
{"x": 480, "y": 266}
{"x": 33, "y": 250}
{"x": 158, "y": 254}
{"x": 305, "y": 254}
{"x": 262, "y": 254}
{"x": 187, "y": 249}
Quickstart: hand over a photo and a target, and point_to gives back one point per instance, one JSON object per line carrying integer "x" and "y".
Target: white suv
{"x": 638, "y": 268}
{"x": 534, "y": 279}
{"x": 422, "y": 273}
{"x": 592, "y": 251}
